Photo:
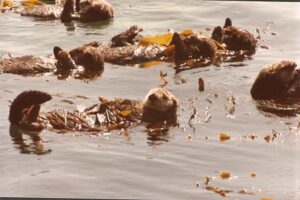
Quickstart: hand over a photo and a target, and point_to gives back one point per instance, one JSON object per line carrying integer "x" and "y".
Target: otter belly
{"x": 26, "y": 65}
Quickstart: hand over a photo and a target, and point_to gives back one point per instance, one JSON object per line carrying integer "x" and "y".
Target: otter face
{"x": 160, "y": 100}
{"x": 287, "y": 73}
{"x": 85, "y": 5}
{"x": 135, "y": 29}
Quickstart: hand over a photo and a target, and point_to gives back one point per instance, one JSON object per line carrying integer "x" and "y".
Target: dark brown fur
{"x": 25, "y": 108}
{"x": 277, "y": 81}
{"x": 92, "y": 10}
{"x": 126, "y": 37}
{"x": 235, "y": 38}
{"x": 68, "y": 11}
{"x": 87, "y": 56}
{"x": 193, "y": 46}
{"x": 64, "y": 60}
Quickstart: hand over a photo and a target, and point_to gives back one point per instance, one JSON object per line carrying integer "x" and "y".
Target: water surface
{"x": 118, "y": 165}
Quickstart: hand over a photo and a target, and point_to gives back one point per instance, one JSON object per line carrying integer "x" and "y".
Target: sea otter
{"x": 24, "y": 110}
{"x": 94, "y": 10}
{"x": 46, "y": 11}
{"x": 27, "y": 65}
{"x": 126, "y": 38}
{"x": 280, "y": 80}
{"x": 193, "y": 46}
{"x": 159, "y": 104}
{"x": 87, "y": 11}
{"x": 88, "y": 56}
{"x": 235, "y": 38}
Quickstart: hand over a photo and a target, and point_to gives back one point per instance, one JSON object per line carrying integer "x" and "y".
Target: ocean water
{"x": 173, "y": 166}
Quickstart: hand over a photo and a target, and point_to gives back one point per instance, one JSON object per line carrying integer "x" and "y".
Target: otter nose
{"x": 152, "y": 97}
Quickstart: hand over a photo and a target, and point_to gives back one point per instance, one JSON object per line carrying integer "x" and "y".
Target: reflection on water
{"x": 33, "y": 145}
{"x": 84, "y": 74}
{"x": 281, "y": 108}
{"x": 167, "y": 162}
{"x": 159, "y": 130}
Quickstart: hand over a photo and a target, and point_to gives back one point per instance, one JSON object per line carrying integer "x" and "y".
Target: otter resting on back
{"x": 235, "y": 38}
{"x": 90, "y": 56}
{"x": 159, "y": 104}
{"x": 95, "y": 10}
{"x": 88, "y": 11}
{"x": 279, "y": 80}
{"x": 194, "y": 46}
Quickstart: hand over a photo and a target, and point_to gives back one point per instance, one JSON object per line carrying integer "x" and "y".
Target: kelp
{"x": 108, "y": 115}
{"x": 31, "y": 3}
{"x": 162, "y": 40}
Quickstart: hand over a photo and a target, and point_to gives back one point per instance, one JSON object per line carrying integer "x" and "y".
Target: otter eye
{"x": 152, "y": 97}
{"x": 165, "y": 97}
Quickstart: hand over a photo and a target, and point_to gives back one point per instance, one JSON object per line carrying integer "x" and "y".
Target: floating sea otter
{"x": 193, "y": 46}
{"x": 94, "y": 54}
{"x": 277, "y": 89}
{"x": 88, "y": 11}
{"x": 90, "y": 56}
{"x": 159, "y": 104}
{"x": 235, "y": 38}
{"x": 279, "y": 80}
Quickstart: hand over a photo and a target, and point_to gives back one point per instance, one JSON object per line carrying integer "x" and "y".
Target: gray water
{"x": 132, "y": 165}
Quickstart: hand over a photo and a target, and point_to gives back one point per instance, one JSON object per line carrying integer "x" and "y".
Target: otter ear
{"x": 56, "y": 50}
{"x": 228, "y": 22}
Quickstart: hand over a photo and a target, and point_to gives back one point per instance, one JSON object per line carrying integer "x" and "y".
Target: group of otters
{"x": 279, "y": 80}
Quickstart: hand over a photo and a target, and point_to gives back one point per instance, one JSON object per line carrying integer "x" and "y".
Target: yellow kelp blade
{"x": 162, "y": 40}
{"x": 31, "y": 3}
{"x": 150, "y": 64}
{"x": 186, "y": 32}
{"x": 7, "y": 3}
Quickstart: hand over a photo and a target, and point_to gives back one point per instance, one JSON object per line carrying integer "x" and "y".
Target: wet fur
{"x": 25, "y": 108}
{"x": 277, "y": 81}
{"x": 126, "y": 37}
{"x": 64, "y": 60}
{"x": 159, "y": 104}
{"x": 235, "y": 38}
{"x": 93, "y": 10}
{"x": 193, "y": 46}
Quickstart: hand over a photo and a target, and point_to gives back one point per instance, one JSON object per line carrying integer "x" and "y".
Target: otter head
{"x": 217, "y": 34}
{"x": 274, "y": 81}
{"x": 56, "y": 50}
{"x": 69, "y": 6}
{"x": 159, "y": 104}
{"x": 181, "y": 50}
{"x": 85, "y": 5}
{"x": 68, "y": 10}
{"x": 160, "y": 100}
{"x": 228, "y": 22}
{"x": 135, "y": 29}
